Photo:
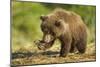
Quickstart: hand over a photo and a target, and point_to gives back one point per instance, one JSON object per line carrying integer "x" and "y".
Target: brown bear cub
{"x": 66, "y": 26}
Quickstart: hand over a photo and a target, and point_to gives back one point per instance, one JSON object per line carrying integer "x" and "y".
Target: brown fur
{"x": 71, "y": 31}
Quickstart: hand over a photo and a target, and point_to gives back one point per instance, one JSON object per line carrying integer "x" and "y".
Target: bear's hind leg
{"x": 81, "y": 46}
{"x": 73, "y": 49}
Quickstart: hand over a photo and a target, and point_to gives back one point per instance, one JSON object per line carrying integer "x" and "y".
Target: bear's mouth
{"x": 47, "y": 38}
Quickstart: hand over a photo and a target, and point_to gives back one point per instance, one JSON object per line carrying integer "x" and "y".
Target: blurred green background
{"x": 25, "y": 22}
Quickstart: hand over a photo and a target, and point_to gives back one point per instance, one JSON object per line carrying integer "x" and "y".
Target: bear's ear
{"x": 42, "y": 17}
{"x": 58, "y": 23}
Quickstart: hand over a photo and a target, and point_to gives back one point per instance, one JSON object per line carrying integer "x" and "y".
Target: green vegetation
{"x": 26, "y": 23}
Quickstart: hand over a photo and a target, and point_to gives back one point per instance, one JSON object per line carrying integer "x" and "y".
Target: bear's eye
{"x": 57, "y": 23}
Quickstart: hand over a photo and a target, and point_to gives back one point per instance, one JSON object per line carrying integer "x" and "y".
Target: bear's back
{"x": 67, "y": 16}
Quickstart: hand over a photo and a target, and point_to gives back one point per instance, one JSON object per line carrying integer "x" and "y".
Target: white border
{"x": 4, "y": 33}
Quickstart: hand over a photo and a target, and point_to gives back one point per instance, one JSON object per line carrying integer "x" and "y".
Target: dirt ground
{"x": 51, "y": 56}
